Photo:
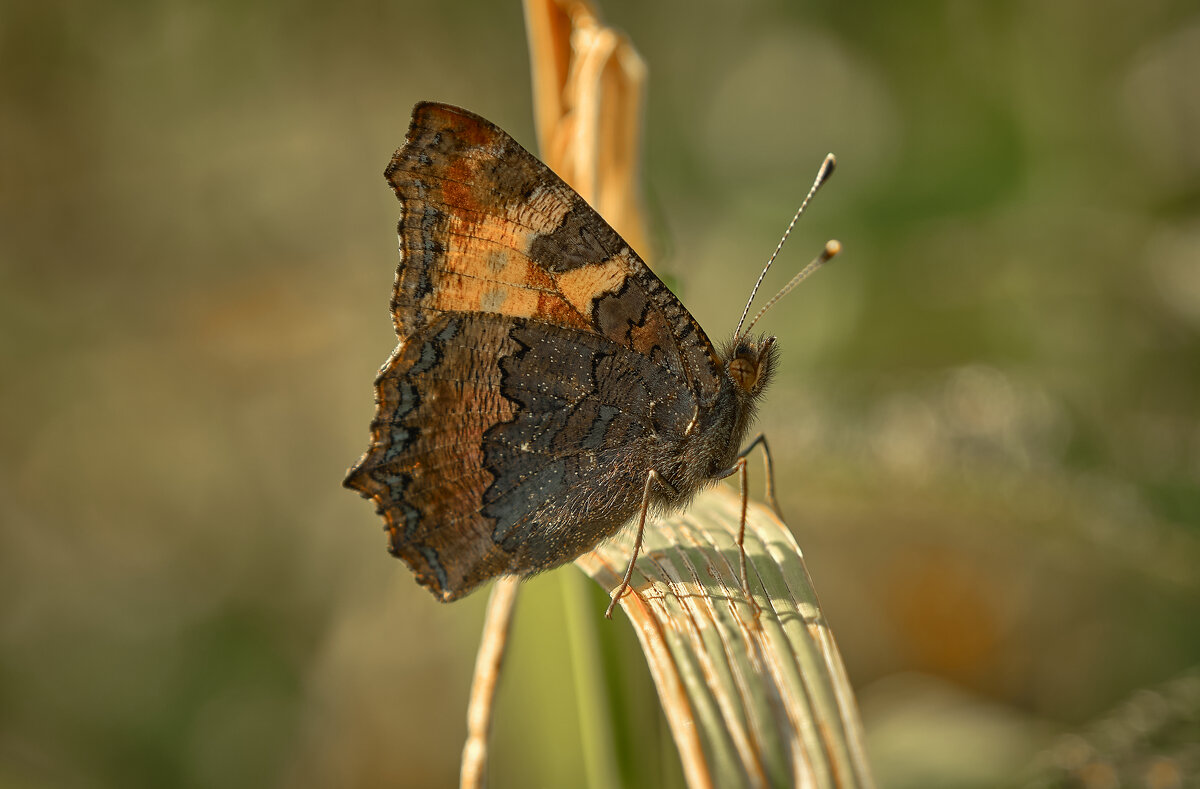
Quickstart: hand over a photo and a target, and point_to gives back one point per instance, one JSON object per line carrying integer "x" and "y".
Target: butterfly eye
{"x": 744, "y": 371}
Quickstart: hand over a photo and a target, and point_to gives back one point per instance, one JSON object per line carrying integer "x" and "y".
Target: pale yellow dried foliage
{"x": 752, "y": 699}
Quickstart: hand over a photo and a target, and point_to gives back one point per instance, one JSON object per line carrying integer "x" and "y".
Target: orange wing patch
{"x": 581, "y": 286}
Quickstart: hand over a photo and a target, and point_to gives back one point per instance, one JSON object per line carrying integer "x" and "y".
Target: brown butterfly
{"x": 547, "y": 386}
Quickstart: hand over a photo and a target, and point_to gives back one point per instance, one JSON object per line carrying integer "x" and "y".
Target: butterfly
{"x": 547, "y": 387}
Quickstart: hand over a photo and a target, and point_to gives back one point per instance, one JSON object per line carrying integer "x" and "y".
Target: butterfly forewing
{"x": 486, "y": 227}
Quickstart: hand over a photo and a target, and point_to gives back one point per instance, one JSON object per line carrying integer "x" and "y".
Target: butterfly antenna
{"x": 832, "y": 248}
{"x": 822, "y": 175}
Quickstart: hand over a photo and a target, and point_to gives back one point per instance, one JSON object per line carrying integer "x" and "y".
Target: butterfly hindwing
{"x": 496, "y": 437}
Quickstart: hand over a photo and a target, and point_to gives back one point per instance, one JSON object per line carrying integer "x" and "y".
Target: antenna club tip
{"x": 825, "y": 171}
{"x": 832, "y": 249}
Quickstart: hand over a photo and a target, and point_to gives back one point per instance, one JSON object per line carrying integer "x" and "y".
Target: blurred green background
{"x": 986, "y": 422}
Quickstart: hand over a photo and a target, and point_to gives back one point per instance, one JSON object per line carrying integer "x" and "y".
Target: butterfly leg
{"x": 743, "y": 483}
{"x": 769, "y": 466}
{"x": 739, "y": 468}
{"x": 621, "y": 589}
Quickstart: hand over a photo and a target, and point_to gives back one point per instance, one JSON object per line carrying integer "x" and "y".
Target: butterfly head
{"x": 750, "y": 363}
